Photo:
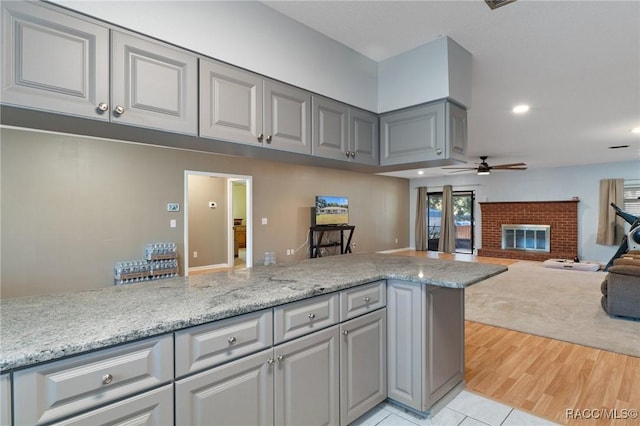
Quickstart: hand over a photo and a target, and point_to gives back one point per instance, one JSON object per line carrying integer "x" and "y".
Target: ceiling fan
{"x": 485, "y": 169}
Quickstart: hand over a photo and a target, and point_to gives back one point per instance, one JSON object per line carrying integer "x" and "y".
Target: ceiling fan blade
{"x": 460, "y": 168}
{"x": 502, "y": 166}
{"x": 463, "y": 171}
{"x": 508, "y": 168}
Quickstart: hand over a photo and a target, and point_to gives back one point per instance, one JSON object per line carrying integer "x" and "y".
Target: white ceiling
{"x": 576, "y": 63}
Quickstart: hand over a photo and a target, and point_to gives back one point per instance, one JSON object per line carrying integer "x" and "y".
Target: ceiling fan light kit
{"x": 494, "y": 4}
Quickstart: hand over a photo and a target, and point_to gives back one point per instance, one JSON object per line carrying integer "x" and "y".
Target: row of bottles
{"x": 161, "y": 261}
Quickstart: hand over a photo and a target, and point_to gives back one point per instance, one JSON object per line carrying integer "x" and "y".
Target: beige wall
{"x": 73, "y": 206}
{"x": 239, "y": 200}
{"x": 207, "y": 227}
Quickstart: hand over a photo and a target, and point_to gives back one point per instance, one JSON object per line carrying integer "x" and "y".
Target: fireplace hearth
{"x": 529, "y": 230}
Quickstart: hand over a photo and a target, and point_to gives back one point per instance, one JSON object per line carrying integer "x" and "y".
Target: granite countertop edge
{"x": 67, "y": 328}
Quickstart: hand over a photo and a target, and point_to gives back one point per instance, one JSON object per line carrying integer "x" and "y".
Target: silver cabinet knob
{"x": 118, "y": 110}
{"x": 269, "y": 139}
{"x": 348, "y": 154}
{"x": 103, "y": 107}
{"x": 311, "y": 316}
{"x": 260, "y": 137}
{"x": 106, "y": 379}
{"x": 270, "y": 361}
{"x": 280, "y": 358}
{"x": 439, "y": 151}
{"x": 367, "y": 299}
{"x": 345, "y": 332}
{"x": 353, "y": 154}
{"x": 231, "y": 340}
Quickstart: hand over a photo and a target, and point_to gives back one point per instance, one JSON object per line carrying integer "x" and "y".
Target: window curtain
{"x": 421, "y": 220}
{"x": 447, "y": 241}
{"x": 610, "y": 227}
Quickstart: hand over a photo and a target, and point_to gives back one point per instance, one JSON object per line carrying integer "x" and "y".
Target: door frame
{"x": 230, "y": 178}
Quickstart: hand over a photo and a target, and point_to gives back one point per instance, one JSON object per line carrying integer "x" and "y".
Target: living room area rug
{"x": 554, "y": 303}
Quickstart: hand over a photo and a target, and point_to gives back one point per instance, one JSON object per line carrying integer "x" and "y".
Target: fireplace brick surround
{"x": 562, "y": 216}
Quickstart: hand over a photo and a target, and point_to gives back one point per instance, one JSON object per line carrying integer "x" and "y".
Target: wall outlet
{"x": 264, "y": 220}
{"x": 396, "y": 240}
{"x": 288, "y": 252}
{"x": 195, "y": 254}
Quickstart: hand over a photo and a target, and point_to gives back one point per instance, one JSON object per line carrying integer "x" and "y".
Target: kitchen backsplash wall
{"x": 72, "y": 206}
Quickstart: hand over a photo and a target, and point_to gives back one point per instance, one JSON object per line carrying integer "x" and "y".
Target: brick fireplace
{"x": 560, "y": 216}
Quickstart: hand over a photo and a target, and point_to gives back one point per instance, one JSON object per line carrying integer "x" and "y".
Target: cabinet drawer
{"x": 155, "y": 408}
{"x": 212, "y": 344}
{"x": 362, "y": 299}
{"x": 303, "y": 317}
{"x": 47, "y": 392}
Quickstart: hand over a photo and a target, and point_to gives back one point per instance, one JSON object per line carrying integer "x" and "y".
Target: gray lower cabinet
{"x": 425, "y": 337}
{"x": 5, "y": 399}
{"x": 54, "y": 61}
{"x": 307, "y": 380}
{"x": 430, "y": 132}
{"x": 341, "y": 132}
{"x": 153, "y": 408}
{"x": 363, "y": 365}
{"x": 153, "y": 85}
{"x": 52, "y": 391}
{"x": 239, "y": 393}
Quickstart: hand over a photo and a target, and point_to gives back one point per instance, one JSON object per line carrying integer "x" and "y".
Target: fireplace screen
{"x": 526, "y": 237}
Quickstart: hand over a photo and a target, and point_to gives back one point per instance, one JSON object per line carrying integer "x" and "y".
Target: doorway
{"x": 463, "y": 202}
{"x": 218, "y": 211}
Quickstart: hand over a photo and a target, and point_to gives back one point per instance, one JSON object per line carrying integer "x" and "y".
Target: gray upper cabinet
{"x": 153, "y": 85}
{"x": 428, "y": 132}
{"x": 54, "y": 61}
{"x": 230, "y": 103}
{"x": 287, "y": 115}
{"x": 341, "y": 132}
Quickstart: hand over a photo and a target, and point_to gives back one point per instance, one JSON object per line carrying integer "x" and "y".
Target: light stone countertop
{"x": 43, "y": 328}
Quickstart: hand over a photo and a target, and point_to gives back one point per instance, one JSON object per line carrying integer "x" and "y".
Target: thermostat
{"x": 212, "y": 204}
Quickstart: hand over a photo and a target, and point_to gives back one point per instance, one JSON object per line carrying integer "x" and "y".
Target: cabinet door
{"x": 445, "y": 342}
{"x": 5, "y": 399}
{"x": 287, "y": 115}
{"x": 230, "y": 103}
{"x": 155, "y": 85}
{"x": 154, "y": 408}
{"x": 330, "y": 123}
{"x": 415, "y": 134}
{"x": 239, "y": 393}
{"x": 404, "y": 342}
{"x": 54, "y": 61}
{"x": 457, "y": 128}
{"x": 307, "y": 380}
{"x": 363, "y": 365}
{"x": 363, "y": 136}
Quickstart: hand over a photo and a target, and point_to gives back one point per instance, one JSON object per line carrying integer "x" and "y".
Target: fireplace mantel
{"x": 561, "y": 216}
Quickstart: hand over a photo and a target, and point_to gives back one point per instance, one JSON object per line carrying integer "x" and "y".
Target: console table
{"x": 317, "y": 233}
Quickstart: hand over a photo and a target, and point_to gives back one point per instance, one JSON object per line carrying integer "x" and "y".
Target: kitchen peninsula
{"x": 38, "y": 330}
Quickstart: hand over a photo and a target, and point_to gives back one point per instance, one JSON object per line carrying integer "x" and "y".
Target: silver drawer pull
{"x": 270, "y": 361}
{"x": 345, "y": 332}
{"x": 103, "y": 107}
{"x": 367, "y": 299}
{"x": 106, "y": 379}
{"x": 280, "y": 358}
{"x": 231, "y": 340}
{"x": 311, "y": 316}
{"x": 260, "y": 137}
{"x": 119, "y": 110}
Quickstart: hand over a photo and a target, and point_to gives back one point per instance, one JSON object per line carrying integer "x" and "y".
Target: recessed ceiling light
{"x": 420, "y": 172}
{"x": 635, "y": 130}
{"x": 520, "y": 109}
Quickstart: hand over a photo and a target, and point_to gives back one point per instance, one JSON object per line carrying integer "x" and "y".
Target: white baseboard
{"x": 395, "y": 250}
{"x": 202, "y": 268}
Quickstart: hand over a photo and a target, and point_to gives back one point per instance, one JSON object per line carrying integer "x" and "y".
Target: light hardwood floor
{"x": 547, "y": 377}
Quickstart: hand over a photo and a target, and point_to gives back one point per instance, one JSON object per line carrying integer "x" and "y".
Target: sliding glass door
{"x": 463, "y": 216}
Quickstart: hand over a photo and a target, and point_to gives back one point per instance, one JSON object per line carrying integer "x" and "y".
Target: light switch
{"x": 172, "y": 223}
{"x": 264, "y": 220}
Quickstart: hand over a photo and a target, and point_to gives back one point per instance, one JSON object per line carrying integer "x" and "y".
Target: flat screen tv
{"x": 331, "y": 210}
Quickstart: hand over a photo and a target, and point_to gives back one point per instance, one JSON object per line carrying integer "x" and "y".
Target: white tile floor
{"x": 466, "y": 409}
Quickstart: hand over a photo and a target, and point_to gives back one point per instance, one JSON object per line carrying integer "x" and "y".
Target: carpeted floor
{"x": 555, "y": 303}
